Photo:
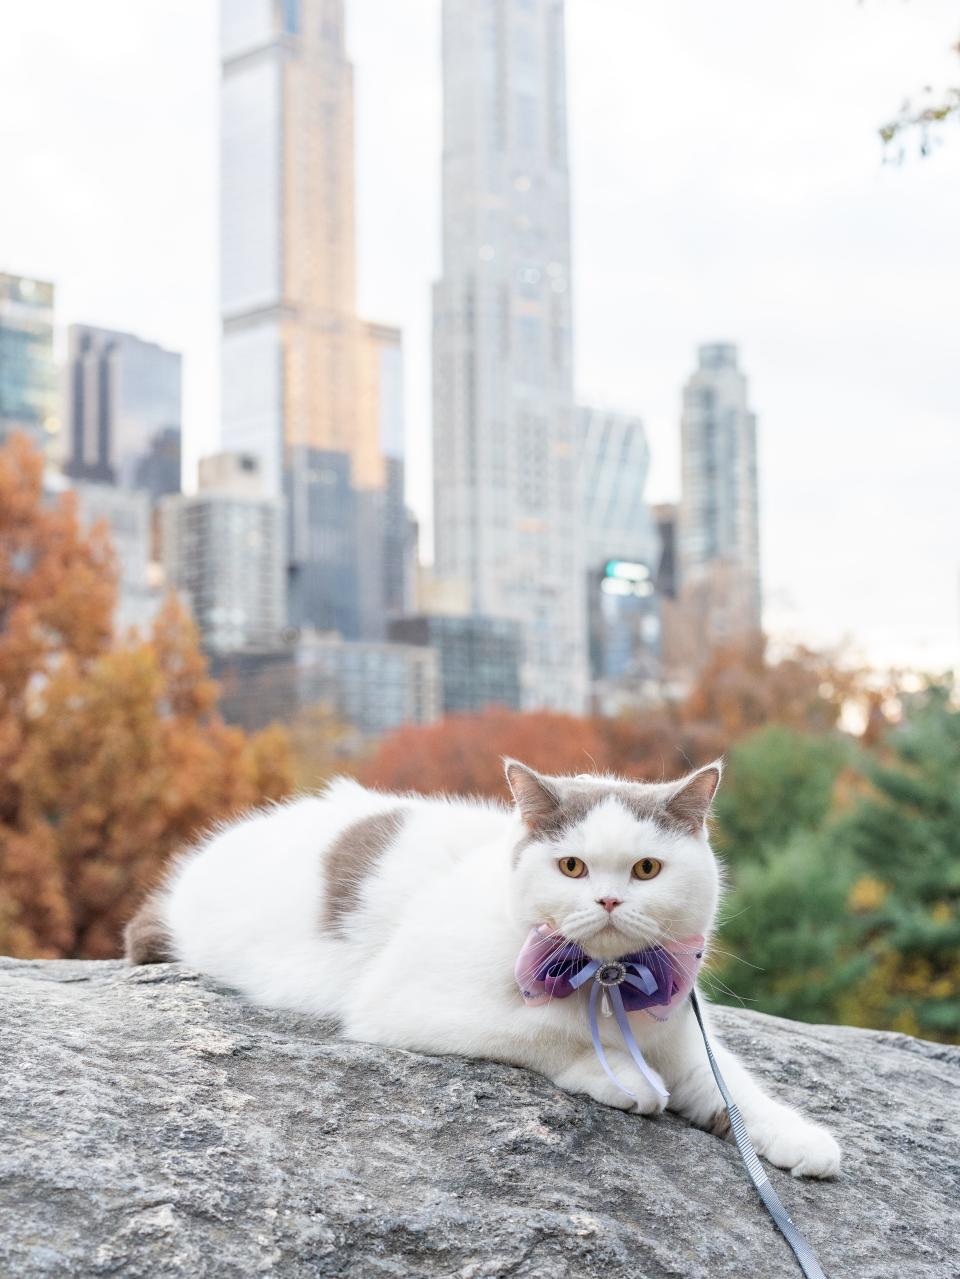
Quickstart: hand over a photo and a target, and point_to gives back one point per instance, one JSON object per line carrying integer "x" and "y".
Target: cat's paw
{"x": 806, "y": 1149}
{"x": 588, "y": 1077}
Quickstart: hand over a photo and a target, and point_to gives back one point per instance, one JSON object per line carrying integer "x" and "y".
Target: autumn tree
{"x": 321, "y": 745}
{"x": 740, "y": 690}
{"x": 462, "y": 754}
{"x": 111, "y": 756}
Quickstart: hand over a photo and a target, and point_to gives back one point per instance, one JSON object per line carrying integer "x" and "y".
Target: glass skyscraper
{"x": 124, "y": 398}
{"x": 622, "y": 550}
{"x": 718, "y": 531}
{"x": 304, "y": 378}
{"x": 28, "y": 383}
{"x": 506, "y": 498}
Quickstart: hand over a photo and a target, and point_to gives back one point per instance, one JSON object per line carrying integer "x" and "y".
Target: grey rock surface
{"x": 153, "y": 1125}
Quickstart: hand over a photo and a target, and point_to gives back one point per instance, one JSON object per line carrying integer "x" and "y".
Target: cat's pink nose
{"x": 609, "y": 903}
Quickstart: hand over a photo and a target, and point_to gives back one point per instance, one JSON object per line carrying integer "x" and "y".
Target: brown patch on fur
{"x": 351, "y": 858}
{"x": 146, "y": 937}
{"x": 719, "y": 1125}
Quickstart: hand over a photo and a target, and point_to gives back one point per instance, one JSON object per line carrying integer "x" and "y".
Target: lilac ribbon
{"x": 652, "y": 981}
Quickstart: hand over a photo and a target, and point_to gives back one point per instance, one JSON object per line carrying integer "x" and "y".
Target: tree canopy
{"x": 112, "y": 755}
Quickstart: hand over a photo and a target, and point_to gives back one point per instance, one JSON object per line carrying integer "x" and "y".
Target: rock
{"x": 153, "y": 1125}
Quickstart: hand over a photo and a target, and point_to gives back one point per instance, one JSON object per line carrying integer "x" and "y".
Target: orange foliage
{"x": 462, "y": 754}
{"x": 111, "y": 758}
{"x": 739, "y": 690}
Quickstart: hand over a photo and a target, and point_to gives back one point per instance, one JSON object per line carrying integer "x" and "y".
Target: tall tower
{"x": 505, "y": 487}
{"x": 718, "y": 535}
{"x": 301, "y": 372}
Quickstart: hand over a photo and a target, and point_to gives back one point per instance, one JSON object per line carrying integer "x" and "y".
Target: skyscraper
{"x": 614, "y": 464}
{"x": 124, "y": 411}
{"x": 223, "y": 548}
{"x": 300, "y": 370}
{"x": 718, "y": 536}
{"x": 28, "y": 384}
{"x": 505, "y": 488}
{"x": 622, "y": 552}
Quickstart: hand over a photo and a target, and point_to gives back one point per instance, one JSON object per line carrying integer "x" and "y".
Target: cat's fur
{"x": 402, "y": 917}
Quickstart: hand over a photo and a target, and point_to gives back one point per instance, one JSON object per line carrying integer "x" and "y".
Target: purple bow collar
{"x": 657, "y": 978}
{"x": 654, "y": 981}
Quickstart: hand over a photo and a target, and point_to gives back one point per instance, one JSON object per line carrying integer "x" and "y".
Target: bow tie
{"x": 655, "y": 981}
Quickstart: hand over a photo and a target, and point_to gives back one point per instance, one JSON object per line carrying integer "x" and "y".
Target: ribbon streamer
{"x": 646, "y": 982}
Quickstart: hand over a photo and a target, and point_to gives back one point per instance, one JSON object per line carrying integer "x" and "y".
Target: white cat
{"x": 403, "y": 917}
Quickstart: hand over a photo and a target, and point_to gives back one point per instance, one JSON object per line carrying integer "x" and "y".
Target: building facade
{"x": 223, "y": 550}
{"x": 371, "y": 687}
{"x": 622, "y": 551}
{"x": 304, "y": 378}
{"x": 505, "y": 486}
{"x": 124, "y": 399}
{"x": 480, "y": 658}
{"x": 28, "y": 380}
{"x": 127, "y": 516}
{"x": 665, "y": 514}
{"x": 718, "y": 529}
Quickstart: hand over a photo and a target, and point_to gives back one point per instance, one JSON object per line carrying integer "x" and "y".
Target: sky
{"x": 728, "y": 185}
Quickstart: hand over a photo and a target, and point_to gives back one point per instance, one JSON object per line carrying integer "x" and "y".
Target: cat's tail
{"x": 147, "y": 938}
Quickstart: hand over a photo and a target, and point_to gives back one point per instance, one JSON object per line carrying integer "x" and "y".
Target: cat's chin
{"x": 609, "y": 943}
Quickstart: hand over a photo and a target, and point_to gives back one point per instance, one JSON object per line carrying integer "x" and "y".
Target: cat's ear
{"x": 538, "y": 802}
{"x": 689, "y": 804}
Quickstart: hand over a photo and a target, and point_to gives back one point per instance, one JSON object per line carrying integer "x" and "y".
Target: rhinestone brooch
{"x": 611, "y": 974}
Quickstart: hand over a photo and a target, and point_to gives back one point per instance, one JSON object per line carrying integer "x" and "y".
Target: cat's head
{"x": 614, "y": 865}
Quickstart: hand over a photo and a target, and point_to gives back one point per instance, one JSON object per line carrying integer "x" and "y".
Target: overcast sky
{"x": 728, "y": 185}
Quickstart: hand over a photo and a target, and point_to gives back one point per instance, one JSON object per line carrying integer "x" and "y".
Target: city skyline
{"x": 839, "y": 308}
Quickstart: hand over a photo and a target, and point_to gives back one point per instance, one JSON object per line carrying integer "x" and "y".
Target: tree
{"x": 937, "y": 109}
{"x": 462, "y": 754}
{"x": 112, "y": 757}
{"x": 850, "y": 911}
{"x": 740, "y": 690}
{"x": 905, "y": 838}
{"x": 777, "y": 781}
{"x": 320, "y": 746}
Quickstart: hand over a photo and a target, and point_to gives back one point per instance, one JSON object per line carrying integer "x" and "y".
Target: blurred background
{"x": 387, "y": 387}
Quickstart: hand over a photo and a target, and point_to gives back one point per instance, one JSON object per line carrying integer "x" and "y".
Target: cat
{"x": 402, "y": 918}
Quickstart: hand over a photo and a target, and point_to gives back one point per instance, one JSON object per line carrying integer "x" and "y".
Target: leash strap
{"x": 771, "y": 1200}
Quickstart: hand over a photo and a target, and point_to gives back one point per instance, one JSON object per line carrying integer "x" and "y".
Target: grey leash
{"x": 771, "y": 1200}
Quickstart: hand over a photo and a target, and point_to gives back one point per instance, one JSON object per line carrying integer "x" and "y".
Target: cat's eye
{"x": 573, "y": 867}
{"x": 647, "y": 868}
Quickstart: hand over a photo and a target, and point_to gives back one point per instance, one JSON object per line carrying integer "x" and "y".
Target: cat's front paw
{"x": 587, "y": 1076}
{"x": 805, "y": 1148}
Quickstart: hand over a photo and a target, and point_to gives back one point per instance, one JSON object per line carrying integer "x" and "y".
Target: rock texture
{"x": 152, "y": 1125}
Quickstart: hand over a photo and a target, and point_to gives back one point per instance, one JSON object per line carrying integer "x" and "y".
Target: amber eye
{"x": 572, "y": 867}
{"x": 647, "y": 868}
